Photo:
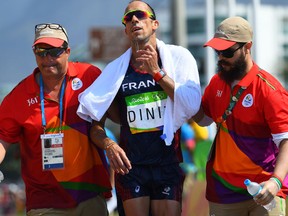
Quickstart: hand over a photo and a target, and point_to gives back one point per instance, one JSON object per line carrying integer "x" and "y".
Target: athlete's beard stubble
{"x": 140, "y": 41}
{"x": 236, "y": 72}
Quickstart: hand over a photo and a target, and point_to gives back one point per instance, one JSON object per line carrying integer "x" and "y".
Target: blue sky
{"x": 18, "y": 18}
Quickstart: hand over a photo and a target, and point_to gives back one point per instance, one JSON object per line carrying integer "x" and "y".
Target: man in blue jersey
{"x": 151, "y": 90}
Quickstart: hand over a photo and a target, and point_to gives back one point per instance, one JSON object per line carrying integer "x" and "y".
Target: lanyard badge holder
{"x": 52, "y": 144}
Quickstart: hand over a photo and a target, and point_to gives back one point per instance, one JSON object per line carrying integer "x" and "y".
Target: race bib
{"x": 145, "y": 112}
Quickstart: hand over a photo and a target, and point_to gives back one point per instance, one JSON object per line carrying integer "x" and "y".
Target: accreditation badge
{"x": 52, "y": 151}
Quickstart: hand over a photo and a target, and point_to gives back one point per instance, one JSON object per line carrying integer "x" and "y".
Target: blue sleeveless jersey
{"x": 142, "y": 102}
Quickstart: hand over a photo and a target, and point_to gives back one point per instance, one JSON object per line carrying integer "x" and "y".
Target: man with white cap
{"x": 63, "y": 171}
{"x": 250, "y": 108}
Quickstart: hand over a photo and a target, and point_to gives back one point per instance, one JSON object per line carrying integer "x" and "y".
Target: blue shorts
{"x": 156, "y": 182}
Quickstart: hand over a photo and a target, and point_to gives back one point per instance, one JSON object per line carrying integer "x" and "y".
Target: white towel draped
{"x": 177, "y": 62}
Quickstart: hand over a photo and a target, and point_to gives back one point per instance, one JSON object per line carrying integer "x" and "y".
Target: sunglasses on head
{"x": 138, "y": 13}
{"x": 228, "y": 53}
{"x": 56, "y": 26}
{"x": 53, "y": 52}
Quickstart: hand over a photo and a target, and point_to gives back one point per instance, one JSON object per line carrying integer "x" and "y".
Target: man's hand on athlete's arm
{"x": 201, "y": 119}
{"x": 3, "y": 148}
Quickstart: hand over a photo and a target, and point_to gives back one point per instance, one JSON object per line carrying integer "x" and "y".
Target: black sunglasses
{"x": 138, "y": 13}
{"x": 53, "y": 52}
{"x": 228, "y": 53}
{"x": 56, "y": 26}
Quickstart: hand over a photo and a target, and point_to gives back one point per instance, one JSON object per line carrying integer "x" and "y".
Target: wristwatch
{"x": 159, "y": 75}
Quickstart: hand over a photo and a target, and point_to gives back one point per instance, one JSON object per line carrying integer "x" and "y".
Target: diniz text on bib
{"x": 145, "y": 111}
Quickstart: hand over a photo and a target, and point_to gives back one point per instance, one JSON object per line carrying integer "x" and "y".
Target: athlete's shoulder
{"x": 178, "y": 49}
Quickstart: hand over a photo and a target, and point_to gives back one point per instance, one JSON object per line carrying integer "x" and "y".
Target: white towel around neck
{"x": 178, "y": 63}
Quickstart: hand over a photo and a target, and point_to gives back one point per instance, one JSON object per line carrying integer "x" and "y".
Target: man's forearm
{"x": 281, "y": 168}
{"x": 201, "y": 119}
{"x": 3, "y": 148}
{"x": 98, "y": 135}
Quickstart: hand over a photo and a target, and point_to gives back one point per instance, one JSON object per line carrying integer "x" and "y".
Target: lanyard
{"x": 60, "y": 103}
{"x": 233, "y": 100}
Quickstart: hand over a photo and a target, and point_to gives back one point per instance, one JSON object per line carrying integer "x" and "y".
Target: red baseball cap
{"x": 231, "y": 31}
{"x": 49, "y": 33}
